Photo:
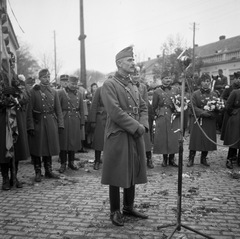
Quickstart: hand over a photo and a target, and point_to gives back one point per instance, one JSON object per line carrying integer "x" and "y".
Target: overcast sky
{"x": 111, "y": 25}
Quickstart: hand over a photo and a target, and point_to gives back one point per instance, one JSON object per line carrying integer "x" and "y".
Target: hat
{"x": 43, "y": 72}
{"x": 204, "y": 77}
{"x": 30, "y": 81}
{"x": 73, "y": 79}
{"x": 126, "y": 52}
{"x": 237, "y": 74}
{"x": 64, "y": 77}
{"x": 165, "y": 74}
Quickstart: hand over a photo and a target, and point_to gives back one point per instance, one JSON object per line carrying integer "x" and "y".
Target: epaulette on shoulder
{"x": 36, "y": 87}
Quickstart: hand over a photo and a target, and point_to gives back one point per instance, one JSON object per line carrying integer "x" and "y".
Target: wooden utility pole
{"x": 81, "y": 38}
{"x": 193, "y": 57}
{"x": 55, "y": 57}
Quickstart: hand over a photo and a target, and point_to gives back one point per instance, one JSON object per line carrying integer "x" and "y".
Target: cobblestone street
{"x": 77, "y": 205}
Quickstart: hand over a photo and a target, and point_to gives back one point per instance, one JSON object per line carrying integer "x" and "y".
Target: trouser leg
{"x": 5, "y": 176}
{"x": 165, "y": 159}
{"x": 192, "y": 154}
{"x": 114, "y": 197}
{"x": 37, "y": 167}
{"x": 63, "y": 159}
{"x": 97, "y": 159}
{"x": 128, "y": 197}
{"x": 14, "y": 175}
{"x": 71, "y": 157}
{"x": 149, "y": 159}
{"x": 204, "y": 158}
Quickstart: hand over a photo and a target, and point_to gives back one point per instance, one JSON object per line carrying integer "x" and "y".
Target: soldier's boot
{"x": 192, "y": 154}
{"x": 149, "y": 159}
{"x": 172, "y": 160}
{"x": 14, "y": 176}
{"x": 63, "y": 159}
{"x": 71, "y": 156}
{"x": 204, "y": 158}
{"x": 5, "y": 176}
{"x": 165, "y": 159}
{"x": 37, "y": 167}
{"x": 47, "y": 160}
{"x": 97, "y": 159}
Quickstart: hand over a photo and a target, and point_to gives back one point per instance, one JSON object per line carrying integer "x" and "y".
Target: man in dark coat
{"x": 13, "y": 141}
{"x": 97, "y": 119}
{"x": 206, "y": 120}
{"x": 44, "y": 122}
{"x": 167, "y": 121}
{"x": 124, "y": 150}
{"x": 71, "y": 101}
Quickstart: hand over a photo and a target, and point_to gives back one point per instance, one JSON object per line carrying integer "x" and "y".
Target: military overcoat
{"x": 232, "y": 133}
{"x": 124, "y": 155}
{"x": 73, "y": 115}
{"x": 98, "y": 116}
{"x": 44, "y": 117}
{"x": 167, "y": 125}
{"x": 198, "y": 141}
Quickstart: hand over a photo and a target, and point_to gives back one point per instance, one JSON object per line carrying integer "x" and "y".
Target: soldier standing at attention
{"x": 71, "y": 101}
{"x": 44, "y": 123}
{"x": 124, "y": 149}
{"x": 165, "y": 138}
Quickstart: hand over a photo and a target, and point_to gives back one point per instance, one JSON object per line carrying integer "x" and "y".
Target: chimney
{"x": 158, "y": 56}
{"x": 196, "y": 45}
{"x": 149, "y": 58}
{"x": 222, "y": 38}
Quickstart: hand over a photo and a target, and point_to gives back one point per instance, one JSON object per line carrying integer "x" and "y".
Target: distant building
{"x": 223, "y": 54}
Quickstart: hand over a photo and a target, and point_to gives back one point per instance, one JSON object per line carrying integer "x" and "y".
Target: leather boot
{"x": 71, "y": 156}
{"x": 204, "y": 158}
{"x": 97, "y": 159}
{"x": 165, "y": 159}
{"x": 37, "y": 167}
{"x": 229, "y": 164}
{"x": 238, "y": 158}
{"x": 149, "y": 159}
{"x": 14, "y": 176}
{"x": 172, "y": 161}
{"x": 5, "y": 176}
{"x": 63, "y": 159}
{"x": 191, "y": 158}
{"x": 128, "y": 202}
{"x": 47, "y": 160}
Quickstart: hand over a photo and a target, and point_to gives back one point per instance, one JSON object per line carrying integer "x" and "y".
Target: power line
{"x": 15, "y": 16}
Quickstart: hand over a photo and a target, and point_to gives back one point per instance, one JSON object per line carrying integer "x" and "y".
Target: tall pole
{"x": 82, "y": 48}
{"x": 55, "y": 56}
{"x": 193, "y": 57}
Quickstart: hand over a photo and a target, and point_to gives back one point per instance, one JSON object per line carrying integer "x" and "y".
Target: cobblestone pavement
{"x": 77, "y": 205}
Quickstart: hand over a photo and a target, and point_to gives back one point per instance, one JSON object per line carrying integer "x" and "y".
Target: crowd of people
{"x": 125, "y": 121}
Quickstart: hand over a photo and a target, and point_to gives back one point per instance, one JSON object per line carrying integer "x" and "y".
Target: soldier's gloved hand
{"x": 31, "y": 132}
{"x": 60, "y": 130}
{"x": 141, "y": 130}
{"x": 9, "y": 90}
{"x": 206, "y": 114}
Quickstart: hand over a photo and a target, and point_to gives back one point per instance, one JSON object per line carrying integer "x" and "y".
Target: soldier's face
{"x": 45, "y": 79}
{"x": 127, "y": 65}
{"x": 206, "y": 83}
{"x": 166, "y": 81}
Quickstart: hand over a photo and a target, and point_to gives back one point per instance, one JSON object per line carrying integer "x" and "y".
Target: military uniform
{"x": 44, "y": 122}
{"x": 166, "y": 138}
{"x": 97, "y": 119}
{"x": 71, "y": 102}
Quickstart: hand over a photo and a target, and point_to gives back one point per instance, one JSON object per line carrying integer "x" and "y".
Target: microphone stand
{"x": 178, "y": 224}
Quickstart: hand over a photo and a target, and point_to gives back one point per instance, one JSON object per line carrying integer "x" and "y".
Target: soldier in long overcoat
{"x": 167, "y": 122}
{"x": 232, "y": 152}
{"x": 232, "y": 131}
{"x": 71, "y": 101}
{"x": 124, "y": 151}
{"x": 14, "y": 112}
{"x": 207, "y": 121}
{"x": 144, "y": 94}
{"x": 97, "y": 119}
{"x": 44, "y": 123}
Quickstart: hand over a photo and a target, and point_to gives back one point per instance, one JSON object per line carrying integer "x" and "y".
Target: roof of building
{"x": 225, "y": 45}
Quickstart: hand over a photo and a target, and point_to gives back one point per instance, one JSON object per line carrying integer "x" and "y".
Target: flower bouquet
{"x": 176, "y": 99}
{"x": 214, "y": 104}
